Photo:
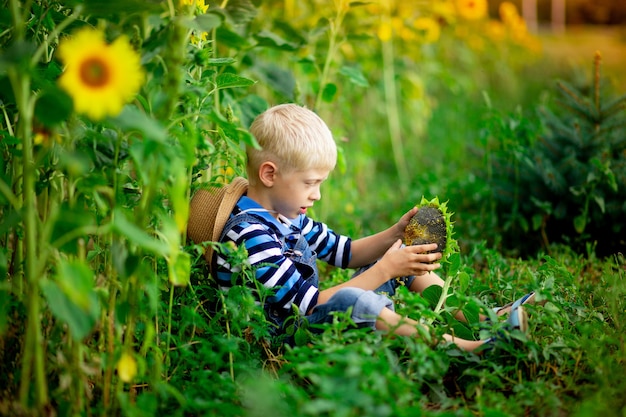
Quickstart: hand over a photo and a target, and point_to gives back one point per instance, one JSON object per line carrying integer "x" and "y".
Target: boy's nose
{"x": 316, "y": 195}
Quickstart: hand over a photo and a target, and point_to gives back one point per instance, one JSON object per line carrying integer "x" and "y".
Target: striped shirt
{"x": 272, "y": 268}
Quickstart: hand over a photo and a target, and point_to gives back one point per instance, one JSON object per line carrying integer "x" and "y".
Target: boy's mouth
{"x": 302, "y": 210}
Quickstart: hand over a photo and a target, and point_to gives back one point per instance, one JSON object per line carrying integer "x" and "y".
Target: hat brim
{"x": 209, "y": 211}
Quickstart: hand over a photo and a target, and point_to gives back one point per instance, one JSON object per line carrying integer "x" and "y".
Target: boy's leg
{"x": 403, "y": 326}
{"x": 421, "y": 282}
{"x": 365, "y": 306}
{"x": 370, "y": 309}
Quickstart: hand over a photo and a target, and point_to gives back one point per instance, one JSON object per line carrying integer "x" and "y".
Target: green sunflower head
{"x": 432, "y": 224}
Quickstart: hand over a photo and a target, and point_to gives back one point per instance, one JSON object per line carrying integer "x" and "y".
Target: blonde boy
{"x": 297, "y": 153}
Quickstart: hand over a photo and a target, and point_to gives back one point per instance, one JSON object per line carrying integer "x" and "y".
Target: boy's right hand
{"x": 400, "y": 260}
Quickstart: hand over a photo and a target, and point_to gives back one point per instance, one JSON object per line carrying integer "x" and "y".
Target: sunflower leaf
{"x": 355, "y": 75}
{"x": 329, "y": 92}
{"x": 53, "y": 106}
{"x": 229, "y": 80}
{"x": 267, "y": 38}
{"x": 132, "y": 119}
{"x": 204, "y": 22}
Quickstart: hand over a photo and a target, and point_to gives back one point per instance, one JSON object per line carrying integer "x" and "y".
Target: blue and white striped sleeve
{"x": 272, "y": 269}
{"x": 331, "y": 247}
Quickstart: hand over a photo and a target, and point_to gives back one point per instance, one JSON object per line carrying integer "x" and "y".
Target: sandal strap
{"x": 527, "y": 298}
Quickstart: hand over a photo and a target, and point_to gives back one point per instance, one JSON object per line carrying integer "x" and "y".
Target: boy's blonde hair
{"x": 294, "y": 138}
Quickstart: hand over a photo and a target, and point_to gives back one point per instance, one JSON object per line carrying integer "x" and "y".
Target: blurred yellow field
{"x": 576, "y": 47}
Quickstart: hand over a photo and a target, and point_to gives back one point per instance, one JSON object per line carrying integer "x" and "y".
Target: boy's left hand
{"x": 403, "y": 222}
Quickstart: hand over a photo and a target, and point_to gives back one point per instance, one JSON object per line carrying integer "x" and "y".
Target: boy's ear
{"x": 267, "y": 173}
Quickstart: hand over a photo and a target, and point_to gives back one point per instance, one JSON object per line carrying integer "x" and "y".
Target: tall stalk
{"x": 393, "y": 112}
{"x": 33, "y": 358}
{"x": 113, "y": 284}
{"x": 342, "y": 7}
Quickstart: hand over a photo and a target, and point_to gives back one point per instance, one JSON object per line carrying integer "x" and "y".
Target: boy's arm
{"x": 369, "y": 249}
{"x": 398, "y": 261}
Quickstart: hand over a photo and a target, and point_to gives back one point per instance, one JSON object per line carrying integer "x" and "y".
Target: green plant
{"x": 94, "y": 204}
{"x": 566, "y": 183}
{"x": 104, "y": 309}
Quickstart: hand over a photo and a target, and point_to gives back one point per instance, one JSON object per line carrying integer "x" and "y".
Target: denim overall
{"x": 297, "y": 249}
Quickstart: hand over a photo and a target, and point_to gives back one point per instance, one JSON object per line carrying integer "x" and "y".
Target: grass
{"x": 573, "y": 361}
{"x": 217, "y": 358}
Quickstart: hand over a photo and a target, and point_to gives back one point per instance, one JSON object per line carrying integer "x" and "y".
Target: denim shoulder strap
{"x": 234, "y": 221}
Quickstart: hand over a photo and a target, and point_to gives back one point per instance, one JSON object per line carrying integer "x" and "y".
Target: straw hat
{"x": 209, "y": 211}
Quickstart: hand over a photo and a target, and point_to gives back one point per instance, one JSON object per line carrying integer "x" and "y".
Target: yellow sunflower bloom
{"x": 385, "y": 31}
{"x": 496, "y": 31}
{"x": 99, "y": 77}
{"x": 472, "y": 9}
{"x": 508, "y": 12}
{"x": 199, "y": 4}
{"x": 428, "y": 29}
{"x": 127, "y": 367}
{"x": 444, "y": 11}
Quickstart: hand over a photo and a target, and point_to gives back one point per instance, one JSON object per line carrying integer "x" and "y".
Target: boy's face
{"x": 294, "y": 192}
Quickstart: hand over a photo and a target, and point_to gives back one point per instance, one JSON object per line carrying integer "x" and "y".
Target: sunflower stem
{"x": 393, "y": 120}
{"x": 169, "y": 331}
{"x": 444, "y": 294}
{"x": 33, "y": 359}
{"x": 335, "y": 26}
{"x": 55, "y": 33}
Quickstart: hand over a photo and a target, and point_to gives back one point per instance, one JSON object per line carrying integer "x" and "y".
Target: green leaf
{"x": 355, "y": 75}
{"x": 250, "y": 107}
{"x": 537, "y": 220}
{"x": 432, "y": 295}
{"x": 329, "y": 92}
{"x": 10, "y": 219}
{"x": 464, "y": 279}
{"x": 279, "y": 79}
{"x": 75, "y": 278}
{"x": 580, "y": 222}
{"x": 136, "y": 235}
{"x": 66, "y": 223}
{"x": 461, "y": 330}
{"x": 80, "y": 320}
{"x": 53, "y": 106}
{"x": 270, "y": 39}
{"x": 471, "y": 311}
{"x": 180, "y": 269}
{"x": 17, "y": 55}
{"x": 178, "y": 197}
{"x": 301, "y": 337}
{"x": 204, "y": 22}
{"x": 599, "y": 201}
{"x": 75, "y": 163}
{"x": 452, "y": 301}
{"x": 454, "y": 263}
{"x": 231, "y": 38}
{"x": 241, "y": 11}
{"x": 221, "y": 61}
{"x": 230, "y": 80}
{"x": 125, "y": 264}
{"x": 125, "y": 7}
{"x": 132, "y": 119}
